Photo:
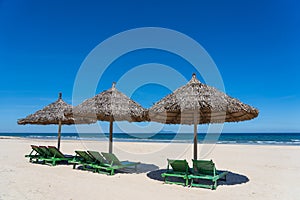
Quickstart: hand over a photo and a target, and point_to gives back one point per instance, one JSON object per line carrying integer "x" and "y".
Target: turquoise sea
{"x": 224, "y": 138}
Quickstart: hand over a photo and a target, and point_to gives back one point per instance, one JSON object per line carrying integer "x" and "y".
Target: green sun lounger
{"x": 180, "y": 169}
{"x": 98, "y": 157}
{"x": 206, "y": 170}
{"x": 51, "y": 155}
{"x": 35, "y": 154}
{"x": 101, "y": 164}
{"x": 114, "y": 163}
{"x": 82, "y": 158}
{"x": 47, "y": 155}
{"x": 56, "y": 155}
{"x": 47, "y": 152}
{"x": 89, "y": 162}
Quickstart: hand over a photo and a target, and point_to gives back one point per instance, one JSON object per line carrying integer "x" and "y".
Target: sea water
{"x": 223, "y": 138}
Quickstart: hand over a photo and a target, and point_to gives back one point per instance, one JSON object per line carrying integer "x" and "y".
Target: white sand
{"x": 257, "y": 172}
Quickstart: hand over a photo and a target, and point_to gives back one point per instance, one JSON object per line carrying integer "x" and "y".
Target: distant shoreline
{"x": 280, "y": 139}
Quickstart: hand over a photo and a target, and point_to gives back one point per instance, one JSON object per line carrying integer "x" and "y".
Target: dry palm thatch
{"x": 210, "y": 105}
{"x": 54, "y": 114}
{"x": 110, "y": 105}
{"x": 197, "y": 103}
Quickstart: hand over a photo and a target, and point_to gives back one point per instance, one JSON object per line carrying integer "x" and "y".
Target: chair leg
{"x": 214, "y": 186}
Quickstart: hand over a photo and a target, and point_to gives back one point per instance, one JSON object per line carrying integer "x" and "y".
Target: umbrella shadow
{"x": 141, "y": 168}
{"x": 146, "y": 168}
{"x": 231, "y": 178}
{"x": 234, "y": 179}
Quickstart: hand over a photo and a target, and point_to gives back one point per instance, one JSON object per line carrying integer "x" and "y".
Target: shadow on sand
{"x": 231, "y": 179}
{"x": 141, "y": 168}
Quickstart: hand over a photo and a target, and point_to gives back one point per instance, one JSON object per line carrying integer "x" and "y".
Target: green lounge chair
{"x": 82, "y": 158}
{"x": 57, "y": 156}
{"x": 101, "y": 164}
{"x": 180, "y": 169}
{"x": 47, "y": 153}
{"x": 98, "y": 157}
{"x": 205, "y": 169}
{"x": 51, "y": 155}
{"x": 35, "y": 154}
{"x": 88, "y": 162}
{"x": 114, "y": 163}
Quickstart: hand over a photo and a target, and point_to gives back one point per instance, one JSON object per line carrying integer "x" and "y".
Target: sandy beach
{"x": 255, "y": 172}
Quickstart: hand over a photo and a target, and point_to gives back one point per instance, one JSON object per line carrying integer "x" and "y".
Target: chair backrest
{"x": 55, "y": 152}
{"x": 179, "y": 165}
{"x": 46, "y": 151}
{"x": 85, "y": 156}
{"x": 96, "y": 155}
{"x": 38, "y": 150}
{"x": 206, "y": 167}
{"x": 111, "y": 158}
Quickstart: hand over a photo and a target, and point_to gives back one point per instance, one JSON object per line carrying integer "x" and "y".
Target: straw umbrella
{"x": 197, "y": 103}
{"x": 110, "y": 105}
{"x": 54, "y": 114}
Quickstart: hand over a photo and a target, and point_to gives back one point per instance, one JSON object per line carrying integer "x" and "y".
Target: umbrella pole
{"x": 195, "y": 135}
{"x": 195, "y": 142}
{"x": 59, "y": 134}
{"x": 110, "y": 135}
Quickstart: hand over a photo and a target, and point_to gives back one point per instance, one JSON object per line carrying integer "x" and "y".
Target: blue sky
{"x": 255, "y": 46}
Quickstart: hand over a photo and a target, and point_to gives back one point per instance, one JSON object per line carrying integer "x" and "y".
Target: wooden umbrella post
{"x": 110, "y": 135}
{"x": 59, "y": 134}
{"x": 195, "y": 135}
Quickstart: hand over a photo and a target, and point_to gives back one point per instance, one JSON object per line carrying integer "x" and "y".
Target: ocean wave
{"x": 295, "y": 140}
{"x": 227, "y": 142}
{"x": 257, "y": 142}
{"x": 150, "y": 140}
{"x": 251, "y": 139}
{"x": 52, "y": 137}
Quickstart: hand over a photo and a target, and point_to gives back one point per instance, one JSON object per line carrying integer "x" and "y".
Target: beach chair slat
{"x": 205, "y": 169}
{"x": 180, "y": 169}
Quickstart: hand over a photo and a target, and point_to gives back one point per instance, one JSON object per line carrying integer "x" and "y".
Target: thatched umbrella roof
{"x": 110, "y": 105}
{"x": 211, "y": 106}
{"x": 197, "y": 103}
{"x": 54, "y": 114}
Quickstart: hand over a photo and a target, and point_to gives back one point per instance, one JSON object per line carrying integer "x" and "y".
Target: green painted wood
{"x": 179, "y": 169}
{"x": 205, "y": 169}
